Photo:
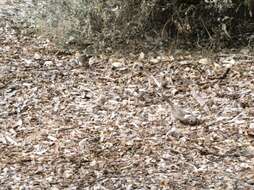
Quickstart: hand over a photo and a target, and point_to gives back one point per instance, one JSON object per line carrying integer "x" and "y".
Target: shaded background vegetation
{"x": 102, "y": 25}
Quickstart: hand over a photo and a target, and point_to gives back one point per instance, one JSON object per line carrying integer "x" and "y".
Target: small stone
{"x": 250, "y": 130}
{"x": 204, "y": 61}
{"x": 184, "y": 62}
{"x": 141, "y": 56}
{"x": 117, "y": 65}
{"x": 37, "y": 56}
{"x": 155, "y": 60}
{"x": 48, "y": 63}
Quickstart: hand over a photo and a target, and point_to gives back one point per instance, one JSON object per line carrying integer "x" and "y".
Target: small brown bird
{"x": 186, "y": 118}
{"x": 84, "y": 60}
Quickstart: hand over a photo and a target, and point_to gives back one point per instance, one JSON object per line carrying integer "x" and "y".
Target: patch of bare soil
{"x": 116, "y": 123}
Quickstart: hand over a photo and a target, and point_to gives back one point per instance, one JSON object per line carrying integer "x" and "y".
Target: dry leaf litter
{"x": 116, "y": 124}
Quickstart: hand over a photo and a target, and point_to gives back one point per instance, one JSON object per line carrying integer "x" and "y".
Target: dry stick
{"x": 223, "y": 76}
{"x": 164, "y": 27}
{"x": 211, "y": 38}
